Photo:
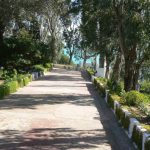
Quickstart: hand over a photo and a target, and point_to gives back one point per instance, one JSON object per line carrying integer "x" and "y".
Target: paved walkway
{"x": 60, "y": 111}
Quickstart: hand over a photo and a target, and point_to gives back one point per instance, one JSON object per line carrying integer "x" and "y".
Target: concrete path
{"x": 60, "y": 111}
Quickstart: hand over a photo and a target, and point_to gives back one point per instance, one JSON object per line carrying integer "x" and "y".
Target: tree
{"x": 131, "y": 22}
{"x": 71, "y": 34}
{"x": 50, "y": 11}
{"x": 123, "y": 21}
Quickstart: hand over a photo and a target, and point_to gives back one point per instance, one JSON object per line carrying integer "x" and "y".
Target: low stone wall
{"x": 132, "y": 127}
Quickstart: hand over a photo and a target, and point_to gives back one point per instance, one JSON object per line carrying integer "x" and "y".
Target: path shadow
{"x": 31, "y": 101}
{"x": 62, "y": 78}
{"x": 52, "y": 138}
{"x": 114, "y": 131}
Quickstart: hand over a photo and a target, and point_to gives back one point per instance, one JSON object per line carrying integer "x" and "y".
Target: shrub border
{"x": 12, "y": 86}
{"x": 131, "y": 125}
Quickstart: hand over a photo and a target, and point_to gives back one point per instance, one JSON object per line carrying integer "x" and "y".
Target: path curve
{"x": 60, "y": 111}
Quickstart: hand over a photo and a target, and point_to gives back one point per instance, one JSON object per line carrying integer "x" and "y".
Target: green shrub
{"x": 145, "y": 87}
{"x": 10, "y": 87}
{"x": 114, "y": 87}
{"x": 64, "y": 59}
{"x": 49, "y": 66}
{"x": 13, "y": 86}
{"x": 20, "y": 80}
{"x": 137, "y": 137}
{"x": 133, "y": 98}
{"x": 38, "y": 68}
{"x": 91, "y": 71}
{"x": 117, "y": 98}
{"x": 102, "y": 80}
{"x": 147, "y": 144}
{"x": 26, "y": 80}
{"x": 101, "y": 87}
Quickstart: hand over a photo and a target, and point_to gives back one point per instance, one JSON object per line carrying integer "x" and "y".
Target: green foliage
{"x": 115, "y": 97}
{"x": 11, "y": 85}
{"x": 102, "y": 80}
{"x": 23, "y": 51}
{"x": 145, "y": 87}
{"x": 91, "y": 71}
{"x": 137, "y": 137}
{"x": 38, "y": 68}
{"x": 114, "y": 87}
{"x": 8, "y": 88}
{"x": 48, "y": 66}
{"x": 134, "y": 98}
{"x": 20, "y": 80}
{"x": 101, "y": 87}
{"x": 26, "y": 80}
{"x": 64, "y": 59}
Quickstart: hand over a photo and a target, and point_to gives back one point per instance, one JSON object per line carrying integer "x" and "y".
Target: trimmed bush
{"x": 38, "y": 68}
{"x": 20, "y": 80}
{"x": 11, "y": 87}
{"x": 102, "y": 80}
{"x": 90, "y": 72}
{"x": 137, "y": 137}
{"x": 147, "y": 144}
{"x": 100, "y": 87}
{"x": 8, "y": 88}
{"x": 114, "y": 87}
{"x": 117, "y": 98}
{"x": 145, "y": 87}
{"x": 26, "y": 80}
{"x": 133, "y": 98}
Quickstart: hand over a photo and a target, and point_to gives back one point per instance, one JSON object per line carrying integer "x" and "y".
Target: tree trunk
{"x": 107, "y": 67}
{"x": 136, "y": 77}
{"x": 2, "y": 28}
{"x": 84, "y": 59}
{"x": 107, "y": 71}
{"x": 84, "y": 62}
{"x": 117, "y": 67}
{"x": 53, "y": 48}
{"x": 101, "y": 61}
{"x": 70, "y": 58}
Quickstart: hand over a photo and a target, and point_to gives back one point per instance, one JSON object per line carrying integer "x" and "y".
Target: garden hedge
{"x": 116, "y": 102}
{"x": 100, "y": 87}
{"x": 8, "y": 88}
{"x": 12, "y": 86}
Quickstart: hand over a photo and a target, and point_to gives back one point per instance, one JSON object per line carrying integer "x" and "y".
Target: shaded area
{"x": 31, "y": 101}
{"x": 49, "y": 138}
{"x": 114, "y": 131}
{"x": 61, "y": 78}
